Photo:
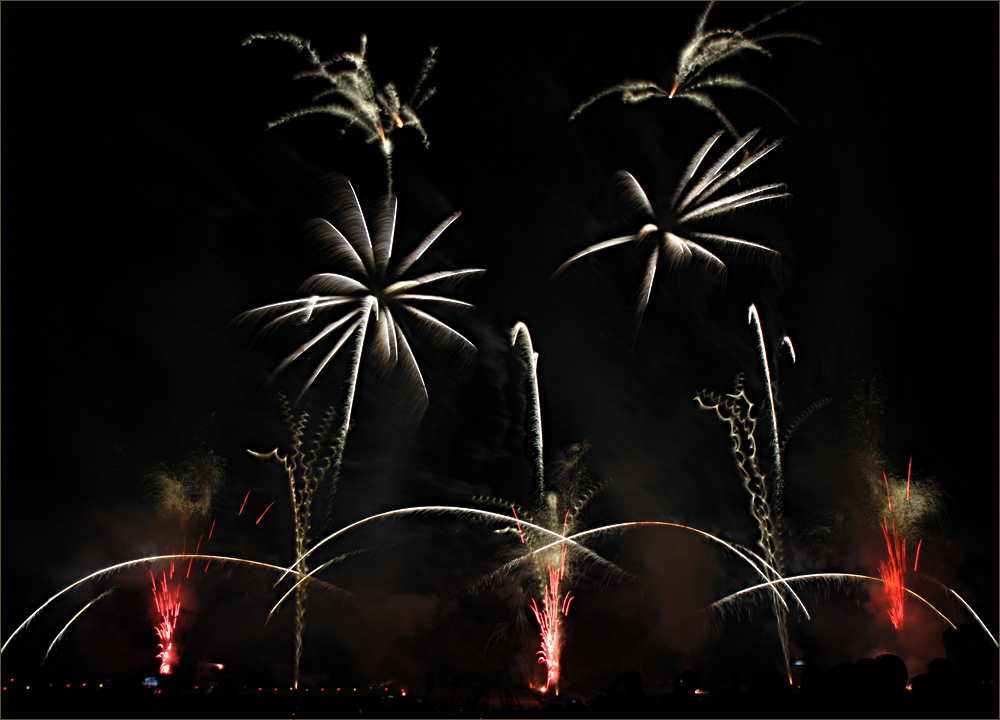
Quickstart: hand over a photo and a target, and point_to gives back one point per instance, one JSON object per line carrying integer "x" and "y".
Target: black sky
{"x": 147, "y": 207}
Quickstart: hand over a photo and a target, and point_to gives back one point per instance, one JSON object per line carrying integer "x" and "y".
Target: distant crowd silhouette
{"x": 878, "y": 687}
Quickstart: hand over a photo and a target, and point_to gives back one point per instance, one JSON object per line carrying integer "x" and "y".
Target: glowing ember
{"x": 168, "y": 605}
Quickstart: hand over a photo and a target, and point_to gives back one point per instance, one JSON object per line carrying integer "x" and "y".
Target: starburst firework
{"x": 371, "y": 287}
{"x": 376, "y": 111}
{"x": 705, "y": 49}
{"x": 673, "y": 238}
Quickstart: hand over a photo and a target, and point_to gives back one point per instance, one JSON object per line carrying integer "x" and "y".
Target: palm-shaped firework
{"x": 705, "y": 49}
{"x": 371, "y": 287}
{"x": 377, "y": 112}
{"x": 687, "y": 208}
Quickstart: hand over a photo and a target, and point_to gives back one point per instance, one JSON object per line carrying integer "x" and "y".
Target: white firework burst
{"x": 673, "y": 238}
{"x": 353, "y": 96}
{"x": 369, "y": 287}
{"x": 705, "y": 49}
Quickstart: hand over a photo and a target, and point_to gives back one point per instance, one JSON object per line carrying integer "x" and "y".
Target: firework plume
{"x": 370, "y": 287}
{"x": 673, "y": 235}
{"x": 184, "y": 495}
{"x": 352, "y": 95}
{"x": 706, "y": 49}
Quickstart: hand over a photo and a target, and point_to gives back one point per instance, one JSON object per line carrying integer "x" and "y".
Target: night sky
{"x": 147, "y": 207}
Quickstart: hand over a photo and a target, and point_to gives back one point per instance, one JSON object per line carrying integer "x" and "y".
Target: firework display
{"x": 204, "y": 492}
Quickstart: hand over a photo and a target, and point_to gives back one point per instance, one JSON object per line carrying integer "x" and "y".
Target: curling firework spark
{"x": 306, "y": 469}
{"x": 766, "y": 490}
{"x": 168, "y": 604}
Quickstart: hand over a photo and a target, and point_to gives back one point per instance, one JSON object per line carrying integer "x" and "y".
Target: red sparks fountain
{"x": 554, "y": 605}
{"x": 168, "y": 605}
{"x": 893, "y": 571}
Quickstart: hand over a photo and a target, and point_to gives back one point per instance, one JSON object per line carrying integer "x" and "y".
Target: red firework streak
{"x": 550, "y": 622}
{"x": 168, "y": 605}
{"x": 893, "y": 571}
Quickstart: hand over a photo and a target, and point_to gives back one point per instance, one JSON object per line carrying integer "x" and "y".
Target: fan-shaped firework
{"x": 705, "y": 49}
{"x": 687, "y": 208}
{"x": 377, "y": 112}
{"x": 370, "y": 286}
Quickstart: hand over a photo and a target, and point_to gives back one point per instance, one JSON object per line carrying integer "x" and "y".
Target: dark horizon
{"x": 155, "y": 208}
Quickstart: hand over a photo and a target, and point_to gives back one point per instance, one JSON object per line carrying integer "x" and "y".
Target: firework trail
{"x": 779, "y": 485}
{"x": 306, "y": 469}
{"x": 668, "y": 244}
{"x": 760, "y": 567}
{"x": 470, "y": 513}
{"x": 372, "y": 287}
{"x": 359, "y": 101}
{"x": 832, "y": 578}
{"x": 521, "y": 338}
{"x": 705, "y": 49}
{"x": 73, "y": 620}
{"x": 968, "y": 608}
{"x": 129, "y": 564}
